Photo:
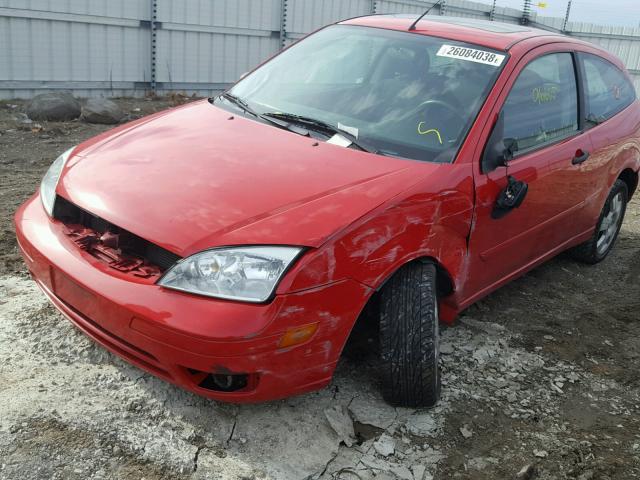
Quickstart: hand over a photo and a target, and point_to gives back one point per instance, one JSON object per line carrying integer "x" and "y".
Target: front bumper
{"x": 178, "y": 336}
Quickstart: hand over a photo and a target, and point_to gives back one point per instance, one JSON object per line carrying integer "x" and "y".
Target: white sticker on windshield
{"x": 471, "y": 54}
{"x": 346, "y": 128}
{"x": 339, "y": 140}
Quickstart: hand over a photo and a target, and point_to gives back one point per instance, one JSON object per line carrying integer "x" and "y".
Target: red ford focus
{"x": 229, "y": 246}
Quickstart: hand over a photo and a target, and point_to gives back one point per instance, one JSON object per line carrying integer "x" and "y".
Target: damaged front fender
{"x": 422, "y": 223}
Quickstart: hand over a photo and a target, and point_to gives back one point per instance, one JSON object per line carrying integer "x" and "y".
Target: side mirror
{"x": 499, "y": 150}
{"x": 510, "y": 148}
{"x": 510, "y": 197}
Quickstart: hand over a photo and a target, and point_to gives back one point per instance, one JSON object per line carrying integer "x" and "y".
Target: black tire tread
{"x": 409, "y": 336}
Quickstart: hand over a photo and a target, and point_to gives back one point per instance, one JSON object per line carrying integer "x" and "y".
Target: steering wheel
{"x": 441, "y": 127}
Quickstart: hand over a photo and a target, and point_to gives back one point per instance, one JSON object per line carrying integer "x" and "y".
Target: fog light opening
{"x": 224, "y": 383}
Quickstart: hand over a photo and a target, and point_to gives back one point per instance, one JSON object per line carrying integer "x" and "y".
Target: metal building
{"x": 130, "y": 47}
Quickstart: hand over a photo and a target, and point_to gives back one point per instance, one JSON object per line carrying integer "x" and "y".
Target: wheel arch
{"x": 444, "y": 279}
{"x": 444, "y": 283}
{"x": 630, "y": 177}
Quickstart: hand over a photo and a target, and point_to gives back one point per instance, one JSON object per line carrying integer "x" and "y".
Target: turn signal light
{"x": 297, "y": 335}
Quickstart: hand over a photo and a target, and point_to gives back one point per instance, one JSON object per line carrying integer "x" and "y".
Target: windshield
{"x": 405, "y": 95}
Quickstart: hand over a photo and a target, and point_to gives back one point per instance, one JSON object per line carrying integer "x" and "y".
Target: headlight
{"x": 247, "y": 274}
{"x": 50, "y": 181}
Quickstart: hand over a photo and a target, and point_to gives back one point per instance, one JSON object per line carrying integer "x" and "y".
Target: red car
{"x": 405, "y": 169}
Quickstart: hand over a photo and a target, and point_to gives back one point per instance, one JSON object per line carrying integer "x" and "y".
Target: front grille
{"x": 125, "y": 242}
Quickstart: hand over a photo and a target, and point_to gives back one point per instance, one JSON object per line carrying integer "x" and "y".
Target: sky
{"x": 614, "y": 12}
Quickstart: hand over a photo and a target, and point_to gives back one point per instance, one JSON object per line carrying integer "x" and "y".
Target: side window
{"x": 543, "y": 103}
{"x": 607, "y": 89}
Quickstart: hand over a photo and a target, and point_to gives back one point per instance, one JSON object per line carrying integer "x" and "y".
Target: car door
{"x": 540, "y": 108}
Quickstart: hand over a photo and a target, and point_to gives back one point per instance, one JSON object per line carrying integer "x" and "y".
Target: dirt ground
{"x": 541, "y": 380}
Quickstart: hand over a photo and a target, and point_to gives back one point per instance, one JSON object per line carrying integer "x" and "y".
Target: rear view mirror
{"x": 499, "y": 150}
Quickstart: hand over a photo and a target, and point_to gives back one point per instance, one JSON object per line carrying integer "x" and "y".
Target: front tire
{"x": 410, "y": 337}
{"x": 604, "y": 237}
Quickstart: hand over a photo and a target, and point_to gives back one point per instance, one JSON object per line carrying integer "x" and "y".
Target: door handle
{"x": 580, "y": 157}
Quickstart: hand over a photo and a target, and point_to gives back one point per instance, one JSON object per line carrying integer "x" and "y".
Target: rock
{"x": 385, "y": 445}
{"x": 101, "y": 110}
{"x": 418, "y": 472}
{"x": 422, "y": 424}
{"x": 209, "y": 460}
{"x": 178, "y": 452}
{"x": 341, "y": 423}
{"x": 432, "y": 456}
{"x": 587, "y": 475}
{"x": 55, "y": 106}
{"x": 402, "y": 472}
{"x": 556, "y": 388}
{"x": 374, "y": 463}
{"x": 541, "y": 453}
{"x": 371, "y": 410}
{"x": 385, "y": 476}
{"x": 466, "y": 432}
{"x": 22, "y": 119}
{"x": 480, "y": 463}
{"x": 487, "y": 327}
{"x": 447, "y": 348}
{"x": 483, "y": 354}
{"x": 526, "y": 473}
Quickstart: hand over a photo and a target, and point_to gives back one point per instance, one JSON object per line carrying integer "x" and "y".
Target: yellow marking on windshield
{"x": 431, "y": 130}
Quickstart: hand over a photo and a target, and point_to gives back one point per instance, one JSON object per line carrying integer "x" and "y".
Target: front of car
{"x": 188, "y": 242}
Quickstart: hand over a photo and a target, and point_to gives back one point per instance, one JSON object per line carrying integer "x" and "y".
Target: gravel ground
{"x": 540, "y": 380}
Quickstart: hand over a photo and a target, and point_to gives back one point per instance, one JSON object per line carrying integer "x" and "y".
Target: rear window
{"x": 608, "y": 91}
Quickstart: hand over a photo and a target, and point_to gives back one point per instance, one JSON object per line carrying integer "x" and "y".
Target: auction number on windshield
{"x": 471, "y": 54}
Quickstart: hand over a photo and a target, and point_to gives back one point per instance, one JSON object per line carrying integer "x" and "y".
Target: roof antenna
{"x": 413, "y": 25}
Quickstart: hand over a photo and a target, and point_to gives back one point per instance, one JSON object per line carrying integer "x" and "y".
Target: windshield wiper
{"x": 239, "y": 102}
{"x": 318, "y": 125}
{"x": 321, "y": 126}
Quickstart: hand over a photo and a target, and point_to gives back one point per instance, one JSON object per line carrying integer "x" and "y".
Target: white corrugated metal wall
{"x": 84, "y": 45}
{"x": 204, "y": 45}
{"x": 98, "y": 47}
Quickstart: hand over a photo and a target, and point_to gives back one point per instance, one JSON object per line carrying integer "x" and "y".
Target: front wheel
{"x": 409, "y": 337}
{"x": 604, "y": 237}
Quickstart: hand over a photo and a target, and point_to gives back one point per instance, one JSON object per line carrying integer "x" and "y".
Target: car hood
{"x": 197, "y": 177}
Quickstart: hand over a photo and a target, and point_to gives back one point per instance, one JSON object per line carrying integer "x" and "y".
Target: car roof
{"x": 496, "y": 35}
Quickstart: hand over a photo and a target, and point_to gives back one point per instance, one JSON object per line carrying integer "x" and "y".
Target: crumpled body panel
{"x": 107, "y": 248}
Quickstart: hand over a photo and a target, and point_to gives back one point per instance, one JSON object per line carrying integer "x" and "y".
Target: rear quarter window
{"x": 607, "y": 89}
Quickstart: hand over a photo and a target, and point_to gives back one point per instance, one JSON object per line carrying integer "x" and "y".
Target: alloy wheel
{"x": 610, "y": 223}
